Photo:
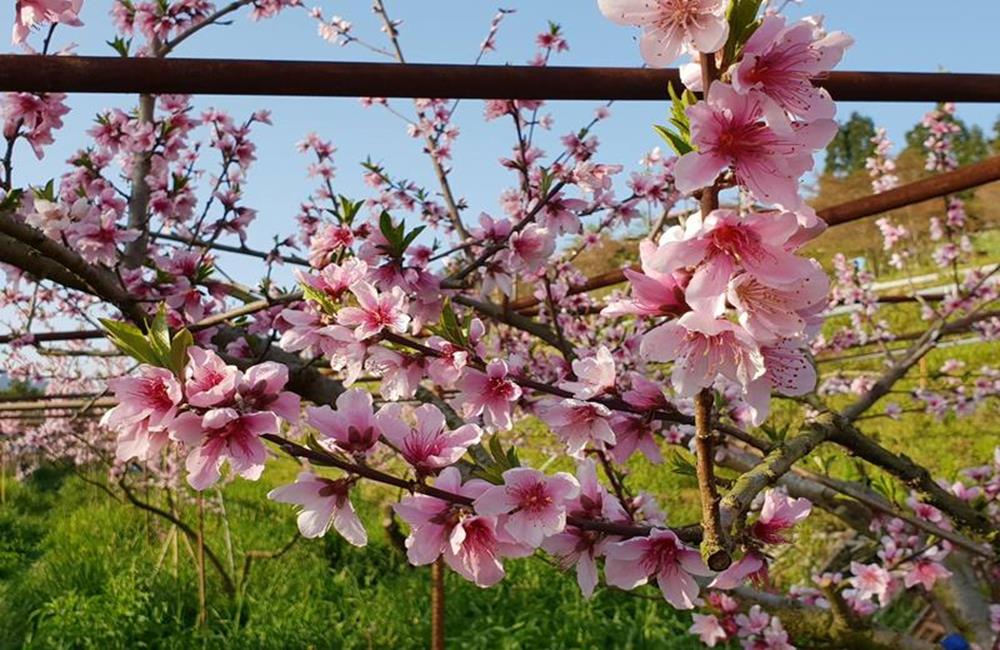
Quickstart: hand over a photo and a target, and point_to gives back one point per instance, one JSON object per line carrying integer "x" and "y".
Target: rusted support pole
{"x": 437, "y": 605}
{"x": 157, "y": 76}
{"x": 932, "y": 187}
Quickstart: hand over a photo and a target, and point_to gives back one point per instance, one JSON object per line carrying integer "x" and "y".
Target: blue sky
{"x": 890, "y": 35}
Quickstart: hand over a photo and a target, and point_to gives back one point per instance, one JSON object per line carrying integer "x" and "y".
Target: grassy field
{"x": 78, "y": 570}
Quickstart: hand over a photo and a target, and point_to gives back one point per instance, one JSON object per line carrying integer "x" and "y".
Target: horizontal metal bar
{"x": 959, "y": 180}
{"x": 89, "y": 74}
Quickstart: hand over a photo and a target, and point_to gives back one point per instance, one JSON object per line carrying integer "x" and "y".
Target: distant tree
{"x": 971, "y": 144}
{"x": 851, "y": 146}
{"x": 18, "y": 388}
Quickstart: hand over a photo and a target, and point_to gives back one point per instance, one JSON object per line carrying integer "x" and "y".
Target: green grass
{"x": 78, "y": 570}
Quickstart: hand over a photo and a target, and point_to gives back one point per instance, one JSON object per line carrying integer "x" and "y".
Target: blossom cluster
{"x": 741, "y": 303}
{"x": 217, "y": 412}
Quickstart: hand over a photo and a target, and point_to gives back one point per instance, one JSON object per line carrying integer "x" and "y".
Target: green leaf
{"x": 349, "y": 210}
{"x": 777, "y": 435}
{"x": 450, "y": 328}
{"x": 492, "y": 461}
{"x": 887, "y": 488}
{"x": 682, "y": 466}
{"x": 678, "y": 109}
{"x": 121, "y": 46}
{"x": 48, "y": 192}
{"x": 11, "y": 200}
{"x": 497, "y": 449}
{"x": 546, "y": 182}
{"x": 313, "y": 444}
{"x": 178, "y": 351}
{"x": 743, "y": 23}
{"x": 408, "y": 239}
{"x": 129, "y": 339}
{"x": 676, "y": 142}
{"x": 158, "y": 336}
{"x": 324, "y": 301}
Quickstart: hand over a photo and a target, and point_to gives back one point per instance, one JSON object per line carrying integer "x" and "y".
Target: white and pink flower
{"x": 429, "y": 446}
{"x": 323, "y": 502}
{"x": 222, "y": 435}
{"x": 491, "y": 394}
{"x": 661, "y": 555}
{"x": 351, "y": 427}
{"x": 534, "y": 505}
{"x": 671, "y": 27}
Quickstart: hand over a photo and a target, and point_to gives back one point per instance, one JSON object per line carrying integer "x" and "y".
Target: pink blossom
{"x": 491, "y": 394}
{"x": 336, "y": 279}
{"x": 787, "y": 370}
{"x": 429, "y": 446}
{"x": 477, "y": 557}
{"x": 661, "y": 555}
{"x": 653, "y": 293}
{"x": 753, "y": 622}
{"x": 151, "y": 398}
{"x": 375, "y": 311}
{"x": 261, "y": 386}
{"x": 644, "y": 394}
{"x": 871, "y": 580}
{"x": 401, "y": 374}
{"x": 223, "y": 434}
{"x": 35, "y": 116}
{"x": 779, "y": 62}
{"x": 778, "y": 514}
{"x": 137, "y": 440}
{"x": 323, "y": 246}
{"x": 97, "y": 238}
{"x": 579, "y": 547}
{"x": 531, "y": 248}
{"x": 752, "y": 566}
{"x": 447, "y": 366}
{"x": 29, "y": 13}
{"x": 702, "y": 348}
{"x": 634, "y": 433}
{"x": 470, "y": 544}
{"x": 725, "y": 241}
{"x": 729, "y": 130}
{"x": 351, "y": 427}
{"x": 769, "y": 312}
{"x": 925, "y": 571}
{"x": 708, "y": 629}
{"x": 579, "y": 423}
{"x": 594, "y": 178}
{"x": 49, "y": 217}
{"x": 596, "y": 375}
{"x": 438, "y": 528}
{"x": 322, "y": 502}
{"x": 535, "y": 504}
{"x": 672, "y": 26}
{"x": 209, "y": 380}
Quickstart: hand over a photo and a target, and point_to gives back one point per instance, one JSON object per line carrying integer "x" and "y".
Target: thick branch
{"x": 31, "y": 261}
{"x": 917, "y": 478}
{"x": 777, "y": 463}
{"x": 138, "y": 201}
{"x": 101, "y": 281}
